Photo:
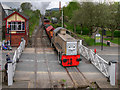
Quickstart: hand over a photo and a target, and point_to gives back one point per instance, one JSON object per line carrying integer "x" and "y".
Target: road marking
{"x": 40, "y": 72}
{"x": 91, "y": 73}
{"x": 108, "y": 54}
{"x": 38, "y": 61}
{"x": 46, "y": 52}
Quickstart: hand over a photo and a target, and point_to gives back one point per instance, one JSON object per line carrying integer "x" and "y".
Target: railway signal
{"x": 9, "y": 32}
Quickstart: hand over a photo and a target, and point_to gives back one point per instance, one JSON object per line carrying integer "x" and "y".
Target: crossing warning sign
{"x": 97, "y": 38}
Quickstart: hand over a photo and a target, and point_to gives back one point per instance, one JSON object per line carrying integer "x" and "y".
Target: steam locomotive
{"x": 65, "y": 45}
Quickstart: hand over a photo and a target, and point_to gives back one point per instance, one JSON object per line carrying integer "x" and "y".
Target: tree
{"x": 85, "y": 16}
{"x": 93, "y": 15}
{"x": 112, "y": 22}
{"x": 69, "y": 12}
{"x": 14, "y": 9}
{"x": 118, "y": 16}
{"x": 26, "y": 6}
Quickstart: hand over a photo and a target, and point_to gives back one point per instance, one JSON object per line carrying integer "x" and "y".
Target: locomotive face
{"x": 71, "y": 48}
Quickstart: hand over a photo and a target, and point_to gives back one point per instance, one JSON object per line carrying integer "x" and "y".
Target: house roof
{"x": 58, "y": 29}
{"x": 5, "y": 6}
{"x": 20, "y": 14}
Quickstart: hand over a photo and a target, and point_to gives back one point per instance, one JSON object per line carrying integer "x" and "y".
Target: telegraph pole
{"x": 102, "y": 40}
{"x": 62, "y": 19}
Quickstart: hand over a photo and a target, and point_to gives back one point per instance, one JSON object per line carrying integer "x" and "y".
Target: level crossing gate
{"x": 12, "y": 65}
{"x": 108, "y": 69}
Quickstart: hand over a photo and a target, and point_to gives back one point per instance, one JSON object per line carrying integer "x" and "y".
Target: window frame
{"x": 14, "y": 25}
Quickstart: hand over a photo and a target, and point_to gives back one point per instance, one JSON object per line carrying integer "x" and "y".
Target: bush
{"x": 89, "y": 41}
{"x": 85, "y": 31}
{"x": 78, "y": 29}
{"x": 55, "y": 25}
{"x": 117, "y": 34}
{"x": 70, "y": 27}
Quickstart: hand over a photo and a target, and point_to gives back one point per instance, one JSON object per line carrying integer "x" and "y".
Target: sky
{"x": 45, "y": 4}
{"x": 38, "y": 3}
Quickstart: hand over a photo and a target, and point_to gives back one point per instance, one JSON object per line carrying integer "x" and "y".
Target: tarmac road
{"x": 24, "y": 75}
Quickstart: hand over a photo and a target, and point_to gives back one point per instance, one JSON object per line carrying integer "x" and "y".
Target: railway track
{"x": 45, "y": 56}
{"x": 41, "y": 42}
{"x": 77, "y": 78}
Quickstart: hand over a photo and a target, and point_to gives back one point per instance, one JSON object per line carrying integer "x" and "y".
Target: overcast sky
{"x": 37, "y": 3}
{"x": 45, "y": 4}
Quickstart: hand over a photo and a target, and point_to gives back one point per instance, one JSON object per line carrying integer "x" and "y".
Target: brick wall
{"x": 15, "y": 39}
{"x": 0, "y": 22}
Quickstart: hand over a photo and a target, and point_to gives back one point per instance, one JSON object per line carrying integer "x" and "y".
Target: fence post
{"x": 80, "y": 42}
{"x": 10, "y": 74}
{"x": 112, "y": 72}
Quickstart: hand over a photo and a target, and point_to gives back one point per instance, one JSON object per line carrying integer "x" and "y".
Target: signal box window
{"x": 14, "y": 26}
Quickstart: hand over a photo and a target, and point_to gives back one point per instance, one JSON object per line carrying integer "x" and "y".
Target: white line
{"x": 38, "y": 61}
{"x": 40, "y": 72}
{"x": 107, "y": 54}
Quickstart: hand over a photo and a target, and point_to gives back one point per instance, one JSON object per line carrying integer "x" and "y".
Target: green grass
{"x": 115, "y": 40}
{"x": 108, "y": 33}
{"x": 90, "y": 41}
{"x": 99, "y": 44}
{"x": 33, "y": 20}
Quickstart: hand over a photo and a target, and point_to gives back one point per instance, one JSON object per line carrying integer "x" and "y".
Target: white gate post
{"x": 80, "y": 42}
{"x": 10, "y": 74}
{"x": 112, "y": 72}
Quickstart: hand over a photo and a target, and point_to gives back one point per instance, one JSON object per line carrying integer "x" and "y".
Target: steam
{"x": 41, "y": 6}
{"x": 44, "y": 6}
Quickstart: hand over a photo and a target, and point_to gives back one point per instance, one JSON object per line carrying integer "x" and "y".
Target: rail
{"x": 106, "y": 68}
{"x": 12, "y": 65}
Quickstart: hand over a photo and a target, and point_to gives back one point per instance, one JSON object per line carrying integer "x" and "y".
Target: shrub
{"x": 85, "y": 31}
{"x": 117, "y": 34}
{"x": 78, "y": 29}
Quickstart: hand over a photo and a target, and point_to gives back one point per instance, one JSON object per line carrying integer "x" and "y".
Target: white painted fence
{"x": 12, "y": 65}
{"x": 106, "y": 68}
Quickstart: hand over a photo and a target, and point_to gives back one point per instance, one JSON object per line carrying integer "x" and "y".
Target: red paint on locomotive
{"x": 70, "y": 60}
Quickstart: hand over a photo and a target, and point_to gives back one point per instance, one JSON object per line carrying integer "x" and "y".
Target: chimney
{"x": 59, "y": 6}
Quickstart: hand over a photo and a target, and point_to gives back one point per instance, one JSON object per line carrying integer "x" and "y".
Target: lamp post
{"x": 62, "y": 17}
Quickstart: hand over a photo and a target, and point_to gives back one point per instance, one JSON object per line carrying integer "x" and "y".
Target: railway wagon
{"x": 54, "y": 20}
{"x": 49, "y": 30}
{"x": 46, "y": 21}
{"x": 66, "y": 46}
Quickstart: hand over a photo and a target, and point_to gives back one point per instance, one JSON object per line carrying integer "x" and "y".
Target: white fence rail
{"x": 106, "y": 68}
{"x": 12, "y": 65}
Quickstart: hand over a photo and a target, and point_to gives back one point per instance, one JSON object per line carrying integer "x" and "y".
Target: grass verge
{"x": 90, "y": 41}
{"x": 115, "y": 40}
